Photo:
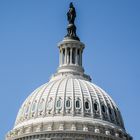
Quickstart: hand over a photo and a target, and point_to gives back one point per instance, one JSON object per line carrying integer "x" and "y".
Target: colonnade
{"x": 70, "y": 56}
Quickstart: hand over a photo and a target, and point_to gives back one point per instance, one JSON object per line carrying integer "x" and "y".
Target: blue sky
{"x": 30, "y": 31}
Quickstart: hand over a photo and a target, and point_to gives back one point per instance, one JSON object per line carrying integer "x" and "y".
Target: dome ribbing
{"x": 69, "y": 97}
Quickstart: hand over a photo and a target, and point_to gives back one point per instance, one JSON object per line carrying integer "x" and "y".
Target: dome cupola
{"x": 71, "y": 50}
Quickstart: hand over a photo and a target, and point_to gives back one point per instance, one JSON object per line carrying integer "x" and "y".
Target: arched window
{"x": 78, "y": 104}
{"x": 68, "y": 103}
{"x": 103, "y": 108}
{"x": 95, "y": 106}
{"x": 33, "y": 107}
{"x": 87, "y": 105}
{"x": 41, "y": 105}
{"x": 49, "y": 104}
{"x": 115, "y": 113}
{"x": 110, "y": 112}
{"x": 58, "y": 104}
{"x": 27, "y": 109}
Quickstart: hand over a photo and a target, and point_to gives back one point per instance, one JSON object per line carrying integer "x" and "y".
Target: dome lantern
{"x": 71, "y": 51}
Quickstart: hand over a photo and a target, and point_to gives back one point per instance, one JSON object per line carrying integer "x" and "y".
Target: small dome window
{"x": 33, "y": 107}
{"x": 41, "y": 105}
{"x": 115, "y": 113}
{"x": 49, "y": 105}
{"x": 103, "y": 108}
{"x": 95, "y": 106}
{"x": 58, "y": 104}
{"x": 27, "y": 110}
{"x": 68, "y": 103}
{"x": 78, "y": 104}
{"x": 87, "y": 105}
{"x": 110, "y": 112}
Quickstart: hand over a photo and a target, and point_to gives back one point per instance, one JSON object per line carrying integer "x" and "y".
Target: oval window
{"x": 110, "y": 112}
{"x": 58, "y": 104}
{"x": 78, "y": 104}
{"x": 68, "y": 103}
{"x": 115, "y": 113}
{"x": 34, "y": 106}
{"x": 87, "y": 107}
{"x": 26, "y": 110}
{"x": 41, "y": 105}
{"x": 95, "y": 106}
{"x": 103, "y": 108}
{"x": 49, "y": 105}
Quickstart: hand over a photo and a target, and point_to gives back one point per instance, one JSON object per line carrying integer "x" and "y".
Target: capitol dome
{"x": 69, "y": 99}
{"x": 69, "y": 106}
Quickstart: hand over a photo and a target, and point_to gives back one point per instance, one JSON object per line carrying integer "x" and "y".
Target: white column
{"x": 60, "y": 57}
{"x": 68, "y": 59}
{"x": 70, "y": 55}
{"x": 65, "y": 55}
{"x": 76, "y": 57}
{"x": 62, "y": 52}
{"x": 80, "y": 57}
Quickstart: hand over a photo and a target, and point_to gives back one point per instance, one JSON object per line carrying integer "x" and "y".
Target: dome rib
{"x": 117, "y": 116}
{"x": 64, "y": 97}
{"x": 113, "y": 108}
{"x": 57, "y": 92}
{"x": 22, "y": 108}
{"x": 41, "y": 96}
{"x": 73, "y": 97}
{"x": 24, "y": 105}
{"x": 93, "y": 95}
{"x": 82, "y": 96}
{"x": 111, "y": 105}
{"x": 90, "y": 98}
{"x": 104, "y": 102}
{"x": 31, "y": 102}
{"x": 93, "y": 87}
{"x": 49, "y": 90}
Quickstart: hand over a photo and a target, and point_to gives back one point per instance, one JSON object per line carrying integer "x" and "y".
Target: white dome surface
{"x": 69, "y": 99}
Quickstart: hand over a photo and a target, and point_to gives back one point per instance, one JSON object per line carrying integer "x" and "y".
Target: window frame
{"x": 68, "y": 107}
{"x": 41, "y": 105}
{"x": 78, "y": 100}
{"x": 49, "y": 104}
{"x": 97, "y": 106}
{"x": 87, "y": 101}
{"x": 33, "y": 108}
{"x": 58, "y": 107}
{"x": 103, "y": 108}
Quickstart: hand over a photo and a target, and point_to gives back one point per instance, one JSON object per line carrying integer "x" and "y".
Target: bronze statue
{"x": 71, "y": 15}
